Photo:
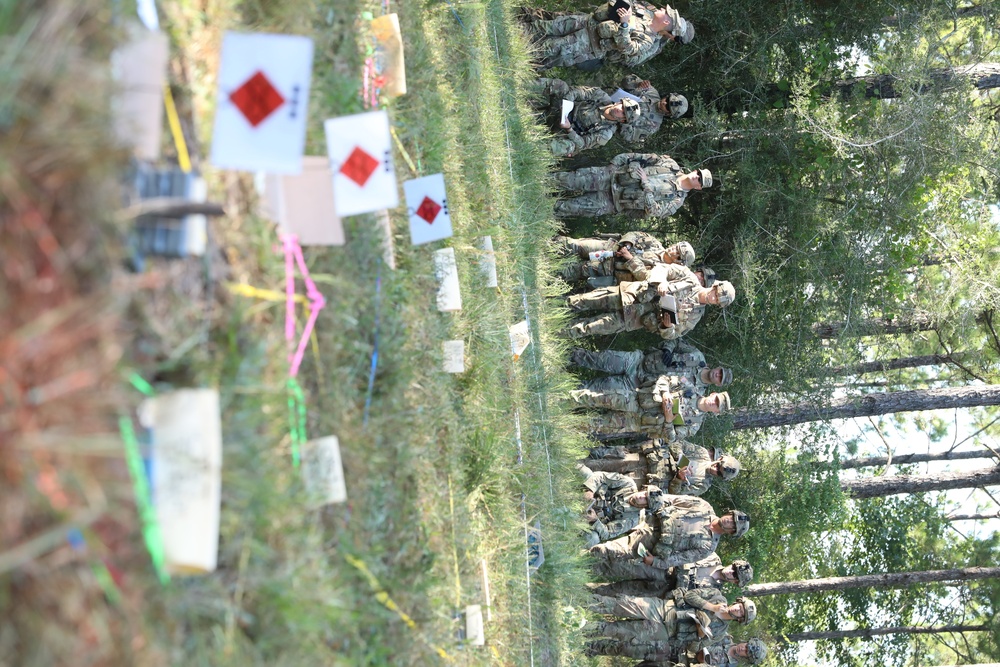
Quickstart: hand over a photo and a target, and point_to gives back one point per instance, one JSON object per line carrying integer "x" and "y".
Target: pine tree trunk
{"x": 868, "y": 405}
{"x": 877, "y": 487}
{"x": 902, "y": 459}
{"x": 885, "y": 580}
{"x": 875, "y": 326}
{"x": 882, "y": 366}
{"x": 867, "y": 633}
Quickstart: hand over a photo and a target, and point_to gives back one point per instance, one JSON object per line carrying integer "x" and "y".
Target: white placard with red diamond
{"x": 427, "y": 205}
{"x": 262, "y": 105}
{"x": 360, "y": 149}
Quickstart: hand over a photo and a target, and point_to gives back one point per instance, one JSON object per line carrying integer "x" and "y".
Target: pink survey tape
{"x": 293, "y": 257}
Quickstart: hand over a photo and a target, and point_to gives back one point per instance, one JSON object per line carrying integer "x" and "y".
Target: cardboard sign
{"x": 323, "y": 471}
{"x": 520, "y": 338}
{"x": 488, "y": 262}
{"x": 449, "y": 296}
{"x": 302, "y": 204}
{"x": 360, "y": 151}
{"x": 390, "y": 68}
{"x": 453, "y": 352}
{"x": 187, "y": 476}
{"x": 140, "y": 71}
{"x": 427, "y": 206}
{"x": 263, "y": 102}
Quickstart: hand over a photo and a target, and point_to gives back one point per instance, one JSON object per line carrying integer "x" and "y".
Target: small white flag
{"x": 449, "y": 296}
{"x": 427, "y": 206}
{"x": 262, "y": 104}
{"x": 520, "y": 338}
{"x": 360, "y": 151}
{"x": 453, "y": 352}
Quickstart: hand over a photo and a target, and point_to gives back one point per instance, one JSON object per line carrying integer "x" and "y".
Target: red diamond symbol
{"x": 257, "y": 98}
{"x": 428, "y": 210}
{"x": 359, "y": 166}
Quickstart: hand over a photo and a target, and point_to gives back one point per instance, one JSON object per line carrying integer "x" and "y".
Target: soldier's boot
{"x": 599, "y": 325}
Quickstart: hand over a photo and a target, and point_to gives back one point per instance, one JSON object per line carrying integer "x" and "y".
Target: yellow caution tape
{"x": 183, "y": 158}
{"x": 406, "y": 155}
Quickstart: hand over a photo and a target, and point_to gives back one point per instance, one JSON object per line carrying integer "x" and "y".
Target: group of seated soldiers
{"x": 652, "y": 538}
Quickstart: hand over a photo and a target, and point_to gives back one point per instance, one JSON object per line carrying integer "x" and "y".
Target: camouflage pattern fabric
{"x": 649, "y": 120}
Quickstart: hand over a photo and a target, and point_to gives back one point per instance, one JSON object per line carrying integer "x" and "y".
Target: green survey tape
{"x": 147, "y": 515}
{"x": 296, "y": 418}
{"x": 140, "y": 383}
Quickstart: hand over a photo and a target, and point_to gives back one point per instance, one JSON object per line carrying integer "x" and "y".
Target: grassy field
{"x": 447, "y": 473}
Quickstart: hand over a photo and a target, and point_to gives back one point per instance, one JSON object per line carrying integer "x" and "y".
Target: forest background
{"x": 854, "y": 147}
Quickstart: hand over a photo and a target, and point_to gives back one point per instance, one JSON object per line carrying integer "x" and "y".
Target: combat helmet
{"x": 727, "y": 293}
{"x": 749, "y": 610}
{"x": 655, "y": 497}
{"x": 730, "y": 467}
{"x": 743, "y": 571}
{"x": 630, "y": 110}
{"x": 742, "y": 521}
{"x": 677, "y": 105}
{"x": 756, "y": 650}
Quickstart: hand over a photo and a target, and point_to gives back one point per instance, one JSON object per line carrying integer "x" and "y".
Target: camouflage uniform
{"x": 656, "y": 653}
{"x": 684, "y": 618}
{"x": 673, "y": 357}
{"x": 572, "y": 39}
{"x": 615, "y": 516}
{"x": 682, "y": 533}
{"x": 645, "y": 249}
{"x": 630, "y": 306}
{"x": 620, "y": 188}
{"x": 650, "y": 118}
{"x": 641, "y": 411}
{"x": 588, "y": 126}
{"x": 686, "y": 576}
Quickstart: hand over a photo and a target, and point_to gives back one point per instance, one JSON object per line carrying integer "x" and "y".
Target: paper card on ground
{"x": 536, "y": 554}
{"x": 323, "y": 471}
{"x": 449, "y": 296}
{"x": 453, "y": 352}
{"x": 140, "y": 70}
{"x": 360, "y": 150}
{"x": 187, "y": 476}
{"x": 389, "y": 65}
{"x": 474, "y": 634}
{"x": 388, "y": 245}
{"x": 620, "y": 95}
{"x": 488, "y": 262}
{"x": 520, "y": 338}
{"x": 427, "y": 206}
{"x": 302, "y": 204}
{"x": 263, "y": 102}
{"x": 567, "y": 107}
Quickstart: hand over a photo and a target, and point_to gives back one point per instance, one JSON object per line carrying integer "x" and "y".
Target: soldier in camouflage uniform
{"x": 653, "y": 107}
{"x": 643, "y": 185}
{"x": 708, "y": 572}
{"x": 626, "y": 37}
{"x": 753, "y": 651}
{"x": 689, "y": 619}
{"x": 615, "y": 505}
{"x": 648, "y": 409}
{"x": 593, "y": 120}
{"x": 635, "y": 253}
{"x": 658, "y": 653}
{"x": 673, "y": 357}
{"x": 657, "y": 462}
{"x": 682, "y": 529}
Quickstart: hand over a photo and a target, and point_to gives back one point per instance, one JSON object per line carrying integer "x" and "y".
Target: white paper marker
{"x": 140, "y": 70}
{"x": 520, "y": 338}
{"x": 453, "y": 352}
{"x": 323, "y": 471}
{"x": 449, "y": 296}
{"x": 364, "y": 178}
{"x": 488, "y": 262}
{"x": 427, "y": 206}
{"x": 263, "y": 102}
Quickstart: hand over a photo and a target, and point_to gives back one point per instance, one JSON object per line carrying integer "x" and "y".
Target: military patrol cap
{"x": 654, "y": 497}
{"x": 743, "y": 571}
{"x": 724, "y": 402}
{"x": 688, "y": 35}
{"x": 749, "y": 610}
{"x": 756, "y": 650}
{"x": 708, "y": 275}
{"x": 730, "y": 467}
{"x": 630, "y": 109}
{"x": 727, "y": 376}
{"x": 742, "y": 521}
{"x": 727, "y": 293}
{"x": 677, "y": 105}
{"x": 706, "y": 178}
{"x": 685, "y": 252}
